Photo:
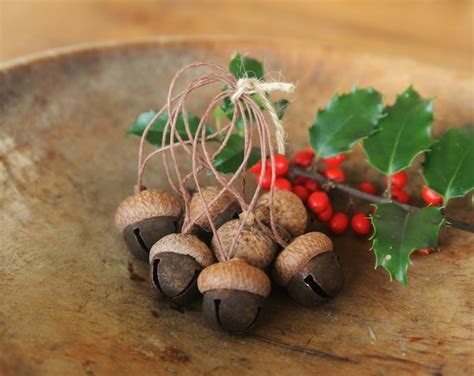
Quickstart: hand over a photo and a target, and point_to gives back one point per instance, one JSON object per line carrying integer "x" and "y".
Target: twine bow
{"x": 254, "y": 86}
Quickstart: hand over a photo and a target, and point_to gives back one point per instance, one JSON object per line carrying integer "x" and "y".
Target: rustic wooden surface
{"x": 74, "y": 302}
{"x": 439, "y": 32}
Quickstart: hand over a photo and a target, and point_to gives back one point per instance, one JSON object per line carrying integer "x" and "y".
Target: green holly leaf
{"x": 155, "y": 133}
{"x": 397, "y": 233}
{"x": 243, "y": 66}
{"x": 448, "y": 168}
{"x": 231, "y": 157}
{"x": 346, "y": 119}
{"x": 403, "y": 133}
{"x": 280, "y": 107}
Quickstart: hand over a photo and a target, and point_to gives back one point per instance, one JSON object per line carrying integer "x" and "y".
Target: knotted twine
{"x": 196, "y": 145}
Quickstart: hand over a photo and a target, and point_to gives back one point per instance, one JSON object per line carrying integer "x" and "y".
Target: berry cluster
{"x": 317, "y": 200}
{"x": 311, "y": 193}
{"x": 399, "y": 182}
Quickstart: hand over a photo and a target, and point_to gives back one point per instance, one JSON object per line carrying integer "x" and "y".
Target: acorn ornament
{"x": 289, "y": 211}
{"x": 175, "y": 263}
{"x": 253, "y": 244}
{"x": 234, "y": 295}
{"x": 145, "y": 217}
{"x": 309, "y": 269}
{"x": 225, "y": 208}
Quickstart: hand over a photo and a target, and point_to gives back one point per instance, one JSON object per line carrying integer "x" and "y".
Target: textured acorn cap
{"x": 253, "y": 245}
{"x": 183, "y": 244}
{"x": 288, "y": 209}
{"x": 298, "y": 253}
{"x": 146, "y": 204}
{"x": 196, "y": 205}
{"x": 235, "y": 274}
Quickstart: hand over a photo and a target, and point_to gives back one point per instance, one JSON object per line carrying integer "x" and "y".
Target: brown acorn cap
{"x": 253, "y": 245}
{"x": 146, "y": 204}
{"x": 183, "y": 244}
{"x": 289, "y": 211}
{"x": 298, "y": 253}
{"x": 196, "y": 206}
{"x": 234, "y": 274}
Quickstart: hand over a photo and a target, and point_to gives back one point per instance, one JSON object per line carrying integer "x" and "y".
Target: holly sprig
{"x": 401, "y": 132}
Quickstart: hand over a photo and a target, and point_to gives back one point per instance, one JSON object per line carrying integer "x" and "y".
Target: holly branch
{"x": 329, "y": 185}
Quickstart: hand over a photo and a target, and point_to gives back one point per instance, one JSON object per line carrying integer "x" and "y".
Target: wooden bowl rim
{"x": 211, "y": 40}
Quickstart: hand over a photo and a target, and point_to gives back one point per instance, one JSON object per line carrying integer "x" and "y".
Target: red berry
{"x": 310, "y": 150}
{"x": 301, "y": 180}
{"x": 312, "y": 186}
{"x": 401, "y": 196}
{"x": 338, "y": 223}
{"x": 367, "y": 187}
{"x": 336, "y": 174}
{"x": 302, "y": 159}
{"x": 318, "y": 201}
{"x": 325, "y": 215}
{"x": 399, "y": 180}
{"x": 431, "y": 197}
{"x": 281, "y": 165}
{"x": 256, "y": 168}
{"x": 266, "y": 180}
{"x": 425, "y": 252}
{"x": 334, "y": 161}
{"x": 301, "y": 192}
{"x": 361, "y": 224}
{"x": 282, "y": 184}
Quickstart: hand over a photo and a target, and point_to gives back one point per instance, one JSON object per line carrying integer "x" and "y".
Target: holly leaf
{"x": 280, "y": 107}
{"x": 155, "y": 133}
{"x": 231, "y": 157}
{"x": 403, "y": 133}
{"x": 448, "y": 168}
{"x": 242, "y": 66}
{"x": 397, "y": 233}
{"x": 346, "y": 119}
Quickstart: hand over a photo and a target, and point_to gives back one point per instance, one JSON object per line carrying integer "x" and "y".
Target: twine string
{"x": 198, "y": 144}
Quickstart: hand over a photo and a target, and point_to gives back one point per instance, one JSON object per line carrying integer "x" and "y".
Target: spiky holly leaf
{"x": 280, "y": 107}
{"x": 397, "y": 233}
{"x": 346, "y": 119}
{"x": 155, "y": 133}
{"x": 403, "y": 133}
{"x": 231, "y": 157}
{"x": 243, "y": 66}
{"x": 448, "y": 167}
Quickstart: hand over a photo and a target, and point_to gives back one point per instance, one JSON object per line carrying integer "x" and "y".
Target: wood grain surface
{"x": 435, "y": 31}
{"x": 74, "y": 301}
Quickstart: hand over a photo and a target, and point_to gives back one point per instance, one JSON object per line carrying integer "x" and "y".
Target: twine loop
{"x": 198, "y": 146}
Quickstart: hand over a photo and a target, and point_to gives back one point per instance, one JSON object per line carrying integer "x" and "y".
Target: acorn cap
{"x": 297, "y": 254}
{"x": 146, "y": 204}
{"x": 234, "y": 274}
{"x": 253, "y": 245}
{"x": 183, "y": 244}
{"x": 196, "y": 206}
{"x": 288, "y": 209}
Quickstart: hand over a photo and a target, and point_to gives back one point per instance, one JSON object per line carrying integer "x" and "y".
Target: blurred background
{"x": 439, "y": 32}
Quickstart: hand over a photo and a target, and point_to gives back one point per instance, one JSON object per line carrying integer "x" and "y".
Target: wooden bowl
{"x": 74, "y": 301}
